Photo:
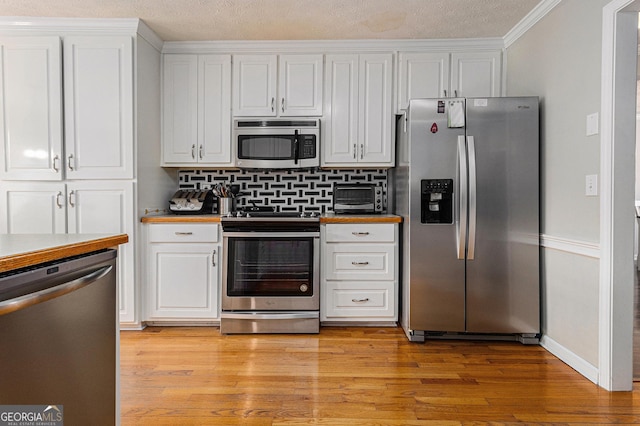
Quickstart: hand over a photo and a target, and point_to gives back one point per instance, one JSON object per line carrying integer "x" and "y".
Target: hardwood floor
{"x": 352, "y": 376}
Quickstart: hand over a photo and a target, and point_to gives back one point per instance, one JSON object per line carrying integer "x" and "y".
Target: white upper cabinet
{"x": 98, "y": 99}
{"x": 272, "y": 85}
{"x": 357, "y": 127}
{"x": 476, "y": 74}
{"x": 196, "y": 110}
{"x": 422, "y": 75}
{"x": 31, "y": 108}
{"x": 98, "y": 108}
{"x": 441, "y": 75}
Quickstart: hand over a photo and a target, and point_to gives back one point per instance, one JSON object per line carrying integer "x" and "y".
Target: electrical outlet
{"x": 591, "y": 189}
{"x": 592, "y": 124}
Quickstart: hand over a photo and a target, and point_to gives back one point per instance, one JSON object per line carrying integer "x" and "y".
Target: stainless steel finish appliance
{"x": 271, "y": 143}
{"x": 192, "y": 202}
{"x": 467, "y": 188}
{"x": 271, "y": 273}
{"x": 357, "y": 198}
{"x": 59, "y": 331}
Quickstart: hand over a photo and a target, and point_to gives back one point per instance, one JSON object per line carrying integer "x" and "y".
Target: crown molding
{"x": 525, "y": 24}
{"x": 320, "y": 46}
{"x": 148, "y": 34}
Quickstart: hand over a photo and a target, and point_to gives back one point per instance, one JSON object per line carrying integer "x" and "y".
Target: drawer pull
{"x": 360, "y": 234}
{"x": 184, "y": 233}
{"x": 360, "y": 300}
{"x": 360, "y": 263}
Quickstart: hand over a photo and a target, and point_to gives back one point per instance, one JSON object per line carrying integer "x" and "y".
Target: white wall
{"x": 559, "y": 59}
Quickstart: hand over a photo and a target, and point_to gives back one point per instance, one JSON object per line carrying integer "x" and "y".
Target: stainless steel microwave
{"x": 277, "y": 143}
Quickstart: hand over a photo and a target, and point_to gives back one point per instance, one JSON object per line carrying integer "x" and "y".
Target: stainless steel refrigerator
{"x": 467, "y": 187}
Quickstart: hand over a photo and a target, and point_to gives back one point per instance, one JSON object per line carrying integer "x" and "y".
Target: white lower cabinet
{"x": 183, "y": 272}
{"x": 359, "y": 273}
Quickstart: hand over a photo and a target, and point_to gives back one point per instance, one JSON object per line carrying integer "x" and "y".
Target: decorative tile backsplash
{"x": 288, "y": 190}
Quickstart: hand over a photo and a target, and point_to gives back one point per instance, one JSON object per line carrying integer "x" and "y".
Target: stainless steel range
{"x": 271, "y": 273}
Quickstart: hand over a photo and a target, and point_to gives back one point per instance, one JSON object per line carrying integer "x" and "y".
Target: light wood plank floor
{"x": 352, "y": 376}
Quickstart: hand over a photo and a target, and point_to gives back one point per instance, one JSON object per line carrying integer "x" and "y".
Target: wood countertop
{"x": 22, "y": 250}
{"x": 326, "y": 218}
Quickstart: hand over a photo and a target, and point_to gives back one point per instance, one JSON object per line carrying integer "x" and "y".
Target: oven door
{"x": 271, "y": 271}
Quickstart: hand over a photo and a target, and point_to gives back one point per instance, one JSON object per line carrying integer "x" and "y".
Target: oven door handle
{"x": 262, "y": 315}
{"x": 275, "y": 234}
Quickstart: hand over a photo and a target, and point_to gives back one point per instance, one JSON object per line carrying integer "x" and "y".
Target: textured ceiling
{"x": 175, "y": 20}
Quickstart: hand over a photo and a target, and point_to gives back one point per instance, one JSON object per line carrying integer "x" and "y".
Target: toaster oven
{"x": 357, "y": 198}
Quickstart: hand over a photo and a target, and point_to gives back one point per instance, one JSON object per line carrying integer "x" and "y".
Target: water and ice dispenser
{"x": 436, "y": 201}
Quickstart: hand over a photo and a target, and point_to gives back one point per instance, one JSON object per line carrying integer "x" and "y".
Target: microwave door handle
{"x": 295, "y": 148}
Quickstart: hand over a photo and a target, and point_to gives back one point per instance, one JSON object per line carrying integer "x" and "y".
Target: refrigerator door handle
{"x": 461, "y": 239}
{"x": 471, "y": 246}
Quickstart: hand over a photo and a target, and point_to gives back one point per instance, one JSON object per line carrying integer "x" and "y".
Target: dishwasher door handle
{"x": 22, "y": 302}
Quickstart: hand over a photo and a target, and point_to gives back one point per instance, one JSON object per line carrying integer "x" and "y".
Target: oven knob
{"x": 304, "y": 288}
{"x": 239, "y": 214}
{"x": 302, "y": 214}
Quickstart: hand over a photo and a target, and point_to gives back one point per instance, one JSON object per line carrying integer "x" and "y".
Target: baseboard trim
{"x": 571, "y": 359}
{"x": 582, "y": 248}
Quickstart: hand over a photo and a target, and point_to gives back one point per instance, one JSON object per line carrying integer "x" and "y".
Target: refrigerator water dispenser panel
{"x": 436, "y": 201}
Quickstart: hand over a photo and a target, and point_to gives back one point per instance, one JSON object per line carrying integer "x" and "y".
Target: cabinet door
{"x": 340, "y": 127}
{"x": 106, "y": 207}
{"x": 254, "y": 85}
{"x": 183, "y": 281}
{"x": 300, "y": 85}
{"x": 30, "y": 108}
{"x": 375, "y": 134}
{"x": 476, "y": 74}
{"x": 98, "y": 98}
{"x": 214, "y": 109}
{"x": 422, "y": 75}
{"x": 33, "y": 208}
{"x": 180, "y": 105}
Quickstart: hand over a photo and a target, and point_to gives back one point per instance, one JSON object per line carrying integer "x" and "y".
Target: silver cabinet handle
{"x": 282, "y": 105}
{"x": 56, "y": 159}
{"x": 355, "y": 150}
{"x": 70, "y": 162}
{"x": 360, "y": 300}
{"x": 445, "y": 93}
{"x": 184, "y": 233}
{"x": 213, "y": 258}
{"x": 455, "y": 93}
{"x": 58, "y": 203}
{"x": 193, "y": 151}
{"x": 201, "y": 151}
{"x": 360, "y": 263}
{"x": 273, "y": 108}
{"x": 71, "y": 196}
{"x": 360, "y": 234}
{"x": 361, "y": 151}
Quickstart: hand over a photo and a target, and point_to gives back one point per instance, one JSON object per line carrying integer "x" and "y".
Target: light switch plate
{"x": 592, "y": 124}
{"x": 591, "y": 189}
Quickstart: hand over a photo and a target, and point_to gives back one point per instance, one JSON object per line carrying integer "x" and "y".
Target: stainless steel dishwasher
{"x": 58, "y": 337}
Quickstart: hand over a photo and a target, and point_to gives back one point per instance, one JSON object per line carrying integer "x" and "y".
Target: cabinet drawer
{"x": 360, "y": 232}
{"x": 347, "y": 261}
{"x": 365, "y": 300}
{"x": 183, "y": 233}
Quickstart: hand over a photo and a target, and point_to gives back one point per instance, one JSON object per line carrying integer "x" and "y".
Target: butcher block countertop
{"x": 325, "y": 218}
{"x": 22, "y": 250}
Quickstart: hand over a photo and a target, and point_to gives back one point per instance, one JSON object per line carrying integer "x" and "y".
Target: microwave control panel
{"x": 307, "y": 146}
